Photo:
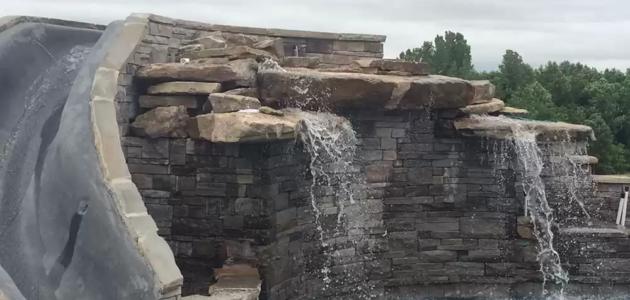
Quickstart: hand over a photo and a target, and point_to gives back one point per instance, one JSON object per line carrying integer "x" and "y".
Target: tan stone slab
{"x": 242, "y": 72}
{"x": 184, "y": 88}
{"x": 240, "y": 127}
{"x": 505, "y": 128}
{"x": 169, "y": 121}
{"x": 484, "y": 90}
{"x": 513, "y": 111}
{"x": 493, "y": 106}
{"x": 613, "y": 179}
{"x": 152, "y": 101}
{"x": 237, "y": 52}
{"x": 224, "y": 103}
{"x": 314, "y": 89}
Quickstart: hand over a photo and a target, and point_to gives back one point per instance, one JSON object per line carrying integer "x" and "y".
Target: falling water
{"x": 530, "y": 166}
{"x": 336, "y": 184}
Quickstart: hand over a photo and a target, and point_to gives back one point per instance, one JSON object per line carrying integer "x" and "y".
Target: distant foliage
{"x": 570, "y": 92}
{"x": 447, "y": 55}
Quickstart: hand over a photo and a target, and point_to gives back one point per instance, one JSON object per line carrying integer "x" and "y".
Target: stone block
{"x": 147, "y": 101}
{"x": 437, "y": 256}
{"x": 223, "y": 103}
{"x": 184, "y": 88}
{"x": 162, "y": 122}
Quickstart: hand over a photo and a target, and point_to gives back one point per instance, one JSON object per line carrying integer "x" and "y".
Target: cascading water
{"x": 530, "y": 164}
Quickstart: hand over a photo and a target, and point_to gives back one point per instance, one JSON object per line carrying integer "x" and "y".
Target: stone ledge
{"x": 133, "y": 213}
{"x": 268, "y": 31}
{"x": 608, "y": 232}
{"x": 305, "y": 88}
{"x": 505, "y": 128}
{"x": 613, "y": 179}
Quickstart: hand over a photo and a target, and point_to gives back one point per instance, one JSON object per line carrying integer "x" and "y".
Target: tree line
{"x": 565, "y": 91}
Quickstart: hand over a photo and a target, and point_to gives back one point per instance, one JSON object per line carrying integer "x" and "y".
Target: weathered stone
{"x": 237, "y": 52}
{"x": 162, "y": 122}
{"x": 484, "y": 90}
{"x": 192, "y": 47}
{"x": 299, "y": 86}
{"x": 501, "y": 128}
{"x": 249, "y": 92}
{"x": 184, "y": 88}
{"x": 223, "y": 103}
{"x": 513, "y": 111}
{"x": 147, "y": 101}
{"x": 397, "y": 65}
{"x": 274, "y": 46}
{"x": 270, "y": 111}
{"x": 438, "y": 256}
{"x": 241, "y": 72}
{"x": 209, "y": 42}
{"x": 300, "y": 62}
{"x": 211, "y": 60}
{"x": 492, "y": 106}
{"x": 237, "y": 127}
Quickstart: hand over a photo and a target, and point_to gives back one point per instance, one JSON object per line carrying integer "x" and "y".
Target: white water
{"x": 530, "y": 164}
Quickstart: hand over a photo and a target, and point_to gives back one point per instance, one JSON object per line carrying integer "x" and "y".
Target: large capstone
{"x": 484, "y": 90}
{"x": 238, "y": 127}
{"x": 162, "y": 122}
{"x": 492, "y": 106}
{"x": 223, "y": 103}
{"x": 241, "y": 72}
{"x": 312, "y": 89}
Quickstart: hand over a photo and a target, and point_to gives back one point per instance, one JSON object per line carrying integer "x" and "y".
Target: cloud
{"x": 594, "y": 32}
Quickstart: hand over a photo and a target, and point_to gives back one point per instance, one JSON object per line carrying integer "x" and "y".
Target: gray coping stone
{"x": 269, "y": 31}
{"x": 10, "y": 21}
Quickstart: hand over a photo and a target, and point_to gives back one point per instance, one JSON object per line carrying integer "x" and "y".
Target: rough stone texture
{"x": 270, "y": 111}
{"x": 238, "y": 127}
{"x": 513, "y": 111}
{"x": 147, "y": 101}
{"x": 242, "y": 72}
{"x": 302, "y": 87}
{"x": 237, "y": 52}
{"x": 498, "y": 129}
{"x": 184, "y": 88}
{"x": 249, "y": 92}
{"x": 396, "y": 65}
{"x": 484, "y": 90}
{"x": 223, "y": 103}
{"x": 300, "y": 62}
{"x": 492, "y": 106}
{"x": 430, "y": 181}
{"x": 162, "y": 122}
{"x": 209, "y": 42}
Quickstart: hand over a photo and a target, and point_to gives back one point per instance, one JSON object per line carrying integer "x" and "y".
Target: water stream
{"x": 529, "y": 167}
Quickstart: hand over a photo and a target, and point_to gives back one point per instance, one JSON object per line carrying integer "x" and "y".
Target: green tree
{"x": 446, "y": 55}
{"x": 537, "y": 100}
{"x": 514, "y": 74}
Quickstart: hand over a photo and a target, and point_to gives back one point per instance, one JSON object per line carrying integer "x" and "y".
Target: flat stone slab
{"x": 493, "y": 106}
{"x": 314, "y": 89}
{"x": 505, "y": 128}
{"x": 609, "y": 231}
{"x": 224, "y": 103}
{"x": 242, "y": 72}
{"x": 394, "y": 65}
{"x": 484, "y": 90}
{"x": 151, "y": 101}
{"x": 184, "y": 88}
{"x": 168, "y": 121}
{"x": 242, "y": 127}
{"x": 236, "y": 52}
{"x": 508, "y": 110}
{"x": 612, "y": 179}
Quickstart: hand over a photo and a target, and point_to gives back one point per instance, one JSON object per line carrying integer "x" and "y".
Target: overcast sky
{"x": 596, "y": 32}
